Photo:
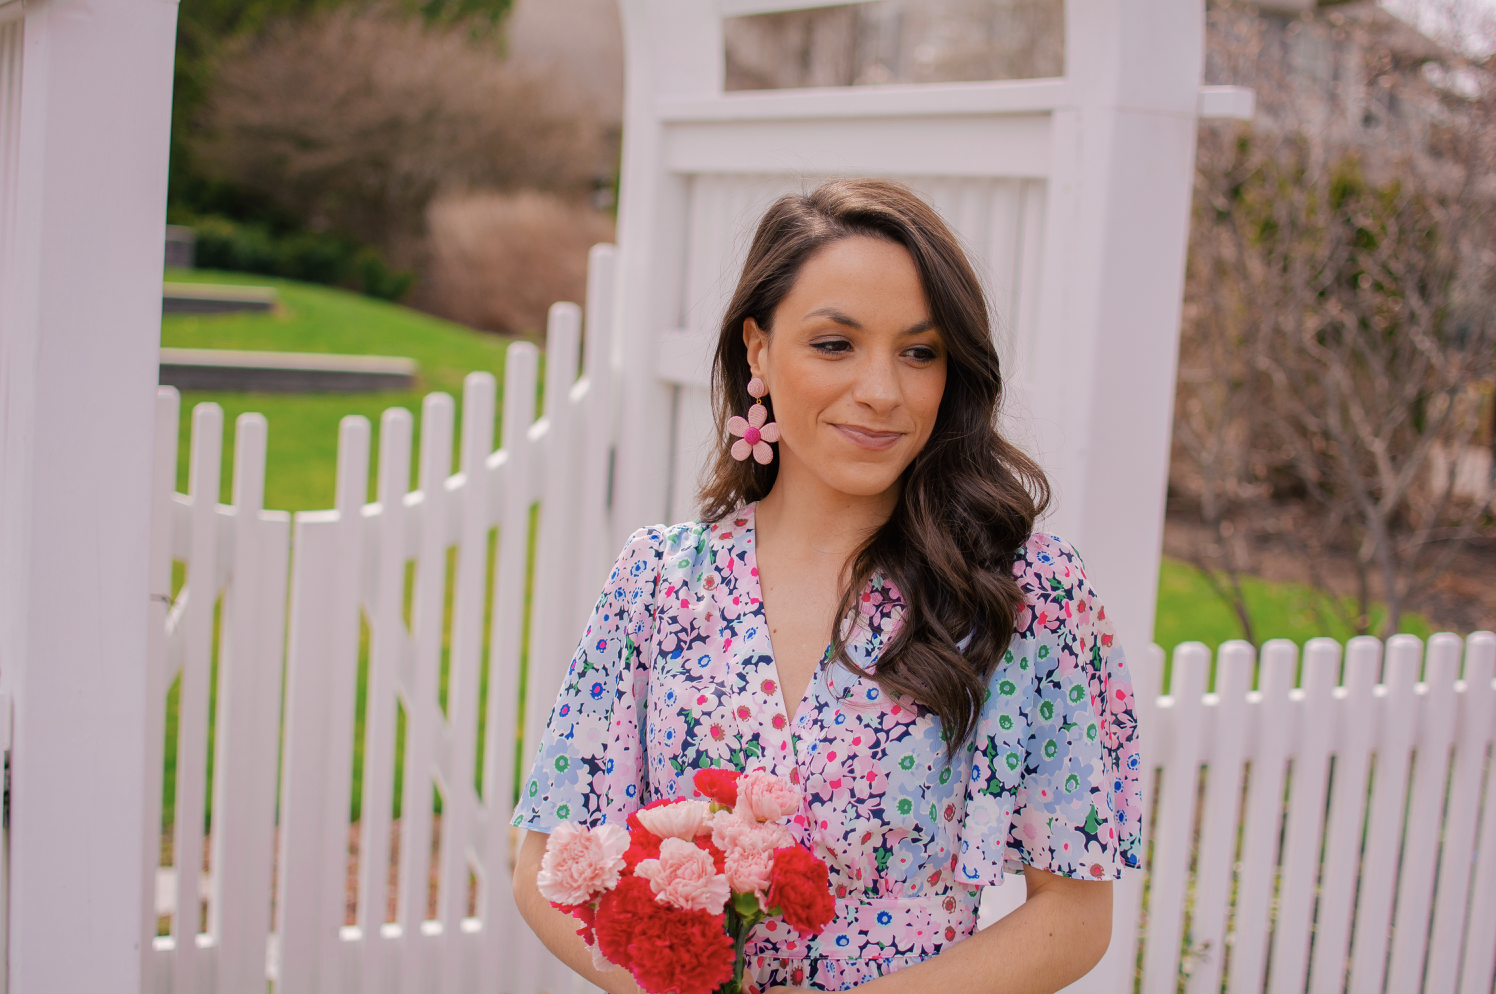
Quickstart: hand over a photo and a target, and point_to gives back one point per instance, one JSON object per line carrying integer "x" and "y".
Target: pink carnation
{"x": 681, "y": 820}
{"x": 750, "y": 871}
{"x": 580, "y": 863}
{"x": 732, "y": 831}
{"x": 685, "y": 877}
{"x": 766, "y": 797}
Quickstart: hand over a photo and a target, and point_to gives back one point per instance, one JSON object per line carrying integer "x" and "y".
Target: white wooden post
{"x": 85, "y": 88}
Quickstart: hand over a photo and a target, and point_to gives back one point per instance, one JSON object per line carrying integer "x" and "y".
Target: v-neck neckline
{"x": 756, "y": 592}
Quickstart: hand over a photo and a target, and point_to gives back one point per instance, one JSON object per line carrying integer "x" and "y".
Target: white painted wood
{"x": 85, "y": 103}
{"x": 248, "y": 724}
{"x": 598, "y": 411}
{"x": 1303, "y": 831}
{"x": 1394, "y": 741}
{"x": 389, "y": 647}
{"x": 1479, "y": 960}
{"x": 1459, "y": 860}
{"x": 510, "y": 953}
{"x": 551, "y": 640}
{"x": 423, "y": 718}
{"x": 1353, "y": 735}
{"x": 1173, "y": 826}
{"x": 190, "y": 968}
{"x": 1271, "y": 743}
{"x": 1420, "y": 848}
{"x": 1225, "y": 732}
{"x": 154, "y": 975}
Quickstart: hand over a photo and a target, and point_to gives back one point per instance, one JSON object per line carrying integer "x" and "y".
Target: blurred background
{"x": 1335, "y": 417}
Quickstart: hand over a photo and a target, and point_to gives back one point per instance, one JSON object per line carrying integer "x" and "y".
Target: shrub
{"x": 353, "y": 119}
{"x": 498, "y": 261}
{"x": 314, "y": 257}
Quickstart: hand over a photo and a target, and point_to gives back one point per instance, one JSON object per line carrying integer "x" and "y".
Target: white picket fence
{"x": 1258, "y": 874}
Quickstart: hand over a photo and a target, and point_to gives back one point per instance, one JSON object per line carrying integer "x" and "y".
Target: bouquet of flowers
{"x": 672, "y": 898}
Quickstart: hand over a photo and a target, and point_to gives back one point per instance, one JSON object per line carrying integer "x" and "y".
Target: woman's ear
{"x": 755, "y": 339}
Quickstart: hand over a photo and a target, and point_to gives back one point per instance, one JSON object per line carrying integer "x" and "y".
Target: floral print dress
{"x": 676, "y": 672}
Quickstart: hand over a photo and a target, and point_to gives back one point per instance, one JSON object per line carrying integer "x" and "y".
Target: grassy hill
{"x": 303, "y": 442}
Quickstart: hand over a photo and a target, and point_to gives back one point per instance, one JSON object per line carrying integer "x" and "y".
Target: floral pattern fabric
{"x": 676, "y": 672}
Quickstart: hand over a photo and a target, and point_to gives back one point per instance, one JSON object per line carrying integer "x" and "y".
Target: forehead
{"x": 860, "y": 275}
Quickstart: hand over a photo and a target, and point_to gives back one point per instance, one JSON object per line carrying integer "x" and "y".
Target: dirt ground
{"x": 1463, "y": 599}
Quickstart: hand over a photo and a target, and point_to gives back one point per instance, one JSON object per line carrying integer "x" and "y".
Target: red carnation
{"x": 688, "y": 952}
{"x": 643, "y": 844}
{"x": 720, "y": 785}
{"x": 619, "y": 913}
{"x": 800, "y": 887}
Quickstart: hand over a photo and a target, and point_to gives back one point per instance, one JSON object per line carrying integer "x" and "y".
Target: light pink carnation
{"x": 765, "y": 797}
{"x": 681, "y": 820}
{"x": 749, "y": 871}
{"x": 732, "y": 830}
{"x": 685, "y": 877}
{"x": 580, "y": 863}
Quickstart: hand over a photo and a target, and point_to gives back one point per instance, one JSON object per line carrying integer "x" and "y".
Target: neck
{"x": 805, "y": 519}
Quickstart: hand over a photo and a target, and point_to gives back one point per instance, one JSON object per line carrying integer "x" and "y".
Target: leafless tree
{"x": 356, "y": 118}
{"x": 1340, "y": 325}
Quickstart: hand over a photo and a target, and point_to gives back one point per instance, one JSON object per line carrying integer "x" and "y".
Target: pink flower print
{"x": 753, "y": 435}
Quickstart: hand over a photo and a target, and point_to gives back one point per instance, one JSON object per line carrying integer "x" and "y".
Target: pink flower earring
{"x": 753, "y": 435}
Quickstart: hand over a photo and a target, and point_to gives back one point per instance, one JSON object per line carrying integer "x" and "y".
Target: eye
{"x": 832, "y": 346}
{"x": 922, "y": 354}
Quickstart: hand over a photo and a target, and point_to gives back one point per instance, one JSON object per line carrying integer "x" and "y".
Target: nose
{"x": 877, "y": 384}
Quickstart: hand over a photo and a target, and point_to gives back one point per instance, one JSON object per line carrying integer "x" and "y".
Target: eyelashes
{"x": 922, "y": 354}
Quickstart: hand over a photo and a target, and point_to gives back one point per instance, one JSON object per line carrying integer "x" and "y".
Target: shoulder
{"x": 1058, "y": 598}
{"x": 651, "y": 550}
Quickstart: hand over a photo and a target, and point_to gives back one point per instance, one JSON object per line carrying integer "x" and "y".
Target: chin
{"x": 855, "y": 484}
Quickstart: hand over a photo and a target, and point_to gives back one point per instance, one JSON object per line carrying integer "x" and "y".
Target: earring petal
{"x": 763, "y": 453}
{"x": 741, "y": 448}
{"x": 757, "y": 415}
{"x": 737, "y": 426}
{"x": 769, "y": 432}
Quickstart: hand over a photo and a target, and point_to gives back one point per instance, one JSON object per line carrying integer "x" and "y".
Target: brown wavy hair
{"x": 967, "y": 502}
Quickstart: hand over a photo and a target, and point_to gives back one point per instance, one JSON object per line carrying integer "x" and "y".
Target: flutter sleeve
{"x": 1055, "y": 773}
{"x": 590, "y": 767}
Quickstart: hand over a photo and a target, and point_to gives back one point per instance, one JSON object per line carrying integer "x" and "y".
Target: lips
{"x": 869, "y": 438}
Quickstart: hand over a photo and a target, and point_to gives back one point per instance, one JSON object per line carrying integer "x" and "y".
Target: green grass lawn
{"x": 303, "y": 441}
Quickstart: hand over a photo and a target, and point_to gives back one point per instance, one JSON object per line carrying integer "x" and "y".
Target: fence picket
{"x": 1458, "y": 862}
{"x": 321, "y": 667}
{"x": 154, "y": 961}
{"x": 506, "y": 939}
{"x": 1394, "y": 739}
{"x": 1173, "y": 828}
{"x": 594, "y": 536}
{"x": 247, "y": 729}
{"x": 192, "y": 699}
{"x": 389, "y": 645}
{"x": 459, "y": 816}
{"x": 1420, "y": 848}
{"x": 423, "y": 717}
{"x": 1271, "y": 732}
{"x": 552, "y": 638}
{"x": 1305, "y": 821}
{"x": 1480, "y": 952}
{"x": 1353, "y": 739}
{"x": 1226, "y": 723}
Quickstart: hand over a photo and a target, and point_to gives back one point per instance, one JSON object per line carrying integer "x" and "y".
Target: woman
{"x": 864, "y": 609}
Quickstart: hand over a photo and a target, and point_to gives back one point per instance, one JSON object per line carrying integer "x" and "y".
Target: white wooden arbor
{"x": 1073, "y": 194}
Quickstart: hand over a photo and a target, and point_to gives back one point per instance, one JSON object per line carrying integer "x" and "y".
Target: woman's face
{"x": 854, "y": 367}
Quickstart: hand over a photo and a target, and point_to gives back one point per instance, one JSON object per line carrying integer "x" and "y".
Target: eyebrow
{"x": 851, "y": 322}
